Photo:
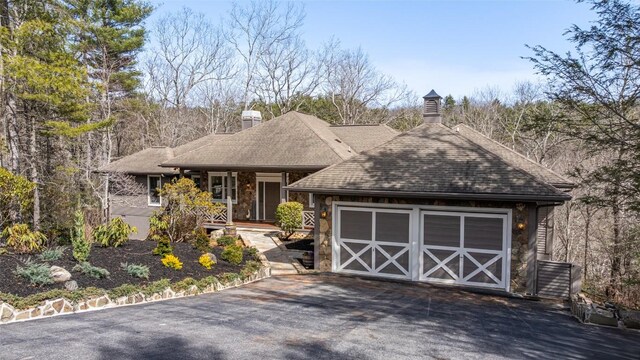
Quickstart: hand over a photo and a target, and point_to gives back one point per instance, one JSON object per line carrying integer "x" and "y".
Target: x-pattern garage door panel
{"x": 464, "y": 248}
{"x": 373, "y": 241}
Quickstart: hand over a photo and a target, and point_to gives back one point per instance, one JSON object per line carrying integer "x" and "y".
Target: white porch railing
{"x": 308, "y": 219}
{"x": 219, "y": 217}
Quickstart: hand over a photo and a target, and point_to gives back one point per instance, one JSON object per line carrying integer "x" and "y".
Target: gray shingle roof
{"x": 148, "y": 161}
{"x": 143, "y": 162}
{"x": 430, "y": 161}
{"x": 364, "y": 137}
{"x": 291, "y": 141}
{"x": 514, "y": 158}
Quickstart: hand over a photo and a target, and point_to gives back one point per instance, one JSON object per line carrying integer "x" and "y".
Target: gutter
{"x": 274, "y": 168}
{"x": 434, "y": 195}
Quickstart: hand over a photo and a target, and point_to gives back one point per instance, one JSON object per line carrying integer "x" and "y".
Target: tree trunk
{"x": 587, "y": 226}
{"x": 616, "y": 250}
{"x": 35, "y": 176}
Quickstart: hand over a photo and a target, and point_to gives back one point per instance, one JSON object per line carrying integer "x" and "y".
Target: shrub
{"x": 37, "y": 274}
{"x": 226, "y": 240}
{"x": 289, "y": 217}
{"x": 187, "y": 208}
{"x": 90, "y": 270}
{"x": 79, "y": 242}
{"x": 201, "y": 240}
{"x": 206, "y": 261}
{"x": 22, "y": 240}
{"x": 136, "y": 270}
{"x": 163, "y": 248}
{"x": 172, "y": 262}
{"x": 52, "y": 254}
{"x": 114, "y": 233}
{"x": 16, "y": 196}
{"x": 250, "y": 268}
{"x": 253, "y": 252}
{"x": 232, "y": 254}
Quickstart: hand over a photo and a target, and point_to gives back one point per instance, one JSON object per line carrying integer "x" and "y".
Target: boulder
{"x": 71, "y": 285}
{"x": 59, "y": 274}
{"x": 216, "y": 234}
{"x": 631, "y": 319}
{"x": 212, "y": 257}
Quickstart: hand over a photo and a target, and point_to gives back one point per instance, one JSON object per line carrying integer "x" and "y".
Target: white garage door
{"x": 464, "y": 248}
{"x": 374, "y": 242}
{"x": 453, "y": 247}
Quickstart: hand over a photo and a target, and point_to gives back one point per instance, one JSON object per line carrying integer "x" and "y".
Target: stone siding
{"x": 519, "y": 240}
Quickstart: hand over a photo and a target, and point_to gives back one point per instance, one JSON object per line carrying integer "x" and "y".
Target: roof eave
{"x": 433, "y": 195}
{"x": 214, "y": 167}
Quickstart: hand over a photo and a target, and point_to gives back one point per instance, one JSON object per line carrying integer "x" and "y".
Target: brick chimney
{"x": 432, "y": 105}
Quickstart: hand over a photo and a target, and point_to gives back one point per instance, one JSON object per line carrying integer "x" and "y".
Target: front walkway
{"x": 279, "y": 260}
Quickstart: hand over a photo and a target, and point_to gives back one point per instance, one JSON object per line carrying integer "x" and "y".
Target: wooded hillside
{"x": 87, "y": 81}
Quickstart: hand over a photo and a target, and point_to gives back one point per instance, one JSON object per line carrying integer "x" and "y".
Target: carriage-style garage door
{"x": 454, "y": 247}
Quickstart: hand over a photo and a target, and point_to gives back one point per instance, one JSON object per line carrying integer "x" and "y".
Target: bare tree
{"x": 287, "y": 71}
{"x": 355, "y": 85}
{"x": 255, "y": 28}
{"x": 190, "y": 52}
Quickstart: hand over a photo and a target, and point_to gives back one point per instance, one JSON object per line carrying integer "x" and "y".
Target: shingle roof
{"x": 148, "y": 161}
{"x": 364, "y": 137}
{"x": 143, "y": 162}
{"x": 430, "y": 161}
{"x": 291, "y": 141}
{"x": 514, "y": 158}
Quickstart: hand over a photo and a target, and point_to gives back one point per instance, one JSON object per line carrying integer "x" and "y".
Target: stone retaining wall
{"x": 587, "y": 312}
{"x": 9, "y": 314}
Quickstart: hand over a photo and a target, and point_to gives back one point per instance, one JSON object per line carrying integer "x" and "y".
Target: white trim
{"x": 312, "y": 202}
{"x": 265, "y": 177}
{"x": 373, "y": 244}
{"x": 149, "y": 203}
{"x": 417, "y": 249}
{"x": 222, "y": 174}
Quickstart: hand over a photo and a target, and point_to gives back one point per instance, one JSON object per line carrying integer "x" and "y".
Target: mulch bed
{"x": 304, "y": 244}
{"x": 133, "y": 252}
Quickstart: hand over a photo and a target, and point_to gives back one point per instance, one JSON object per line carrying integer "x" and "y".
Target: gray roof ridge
{"x": 517, "y": 153}
{"x": 329, "y": 142}
{"x": 520, "y": 170}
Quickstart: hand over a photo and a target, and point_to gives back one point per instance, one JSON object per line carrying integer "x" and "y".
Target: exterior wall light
{"x": 521, "y": 226}
{"x": 323, "y": 213}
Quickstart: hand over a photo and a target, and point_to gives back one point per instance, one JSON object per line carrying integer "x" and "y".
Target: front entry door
{"x": 268, "y": 199}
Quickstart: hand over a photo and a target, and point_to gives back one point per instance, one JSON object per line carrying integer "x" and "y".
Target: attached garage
{"x": 435, "y": 204}
{"x": 431, "y": 244}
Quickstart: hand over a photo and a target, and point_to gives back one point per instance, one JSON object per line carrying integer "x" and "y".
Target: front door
{"x": 268, "y": 199}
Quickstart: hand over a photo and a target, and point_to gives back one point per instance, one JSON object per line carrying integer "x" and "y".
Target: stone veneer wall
{"x": 519, "y": 240}
{"x": 302, "y": 198}
{"x": 244, "y": 209}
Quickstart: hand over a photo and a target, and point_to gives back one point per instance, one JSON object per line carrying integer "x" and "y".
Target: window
{"x": 153, "y": 190}
{"x": 218, "y": 187}
{"x": 312, "y": 203}
{"x": 196, "y": 180}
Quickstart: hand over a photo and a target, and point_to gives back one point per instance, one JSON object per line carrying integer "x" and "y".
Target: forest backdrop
{"x": 86, "y": 81}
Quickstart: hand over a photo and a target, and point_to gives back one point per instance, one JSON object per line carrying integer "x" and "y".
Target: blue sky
{"x": 454, "y": 47}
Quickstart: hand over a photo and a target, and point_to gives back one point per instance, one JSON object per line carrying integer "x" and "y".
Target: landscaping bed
{"x": 303, "y": 244}
{"x": 111, "y": 258}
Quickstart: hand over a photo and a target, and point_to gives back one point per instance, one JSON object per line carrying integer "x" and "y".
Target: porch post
{"x": 229, "y": 201}
{"x": 283, "y": 183}
{"x": 204, "y": 181}
{"x": 181, "y": 172}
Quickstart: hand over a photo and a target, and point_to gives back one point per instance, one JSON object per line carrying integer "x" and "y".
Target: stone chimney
{"x": 250, "y": 118}
{"x": 431, "y": 113}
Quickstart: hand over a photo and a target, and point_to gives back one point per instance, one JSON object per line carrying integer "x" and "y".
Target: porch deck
{"x": 245, "y": 225}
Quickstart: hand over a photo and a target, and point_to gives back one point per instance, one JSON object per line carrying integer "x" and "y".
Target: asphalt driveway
{"x": 321, "y": 317}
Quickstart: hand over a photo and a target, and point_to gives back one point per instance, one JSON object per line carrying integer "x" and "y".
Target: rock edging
{"x": 62, "y": 306}
{"x": 587, "y": 312}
